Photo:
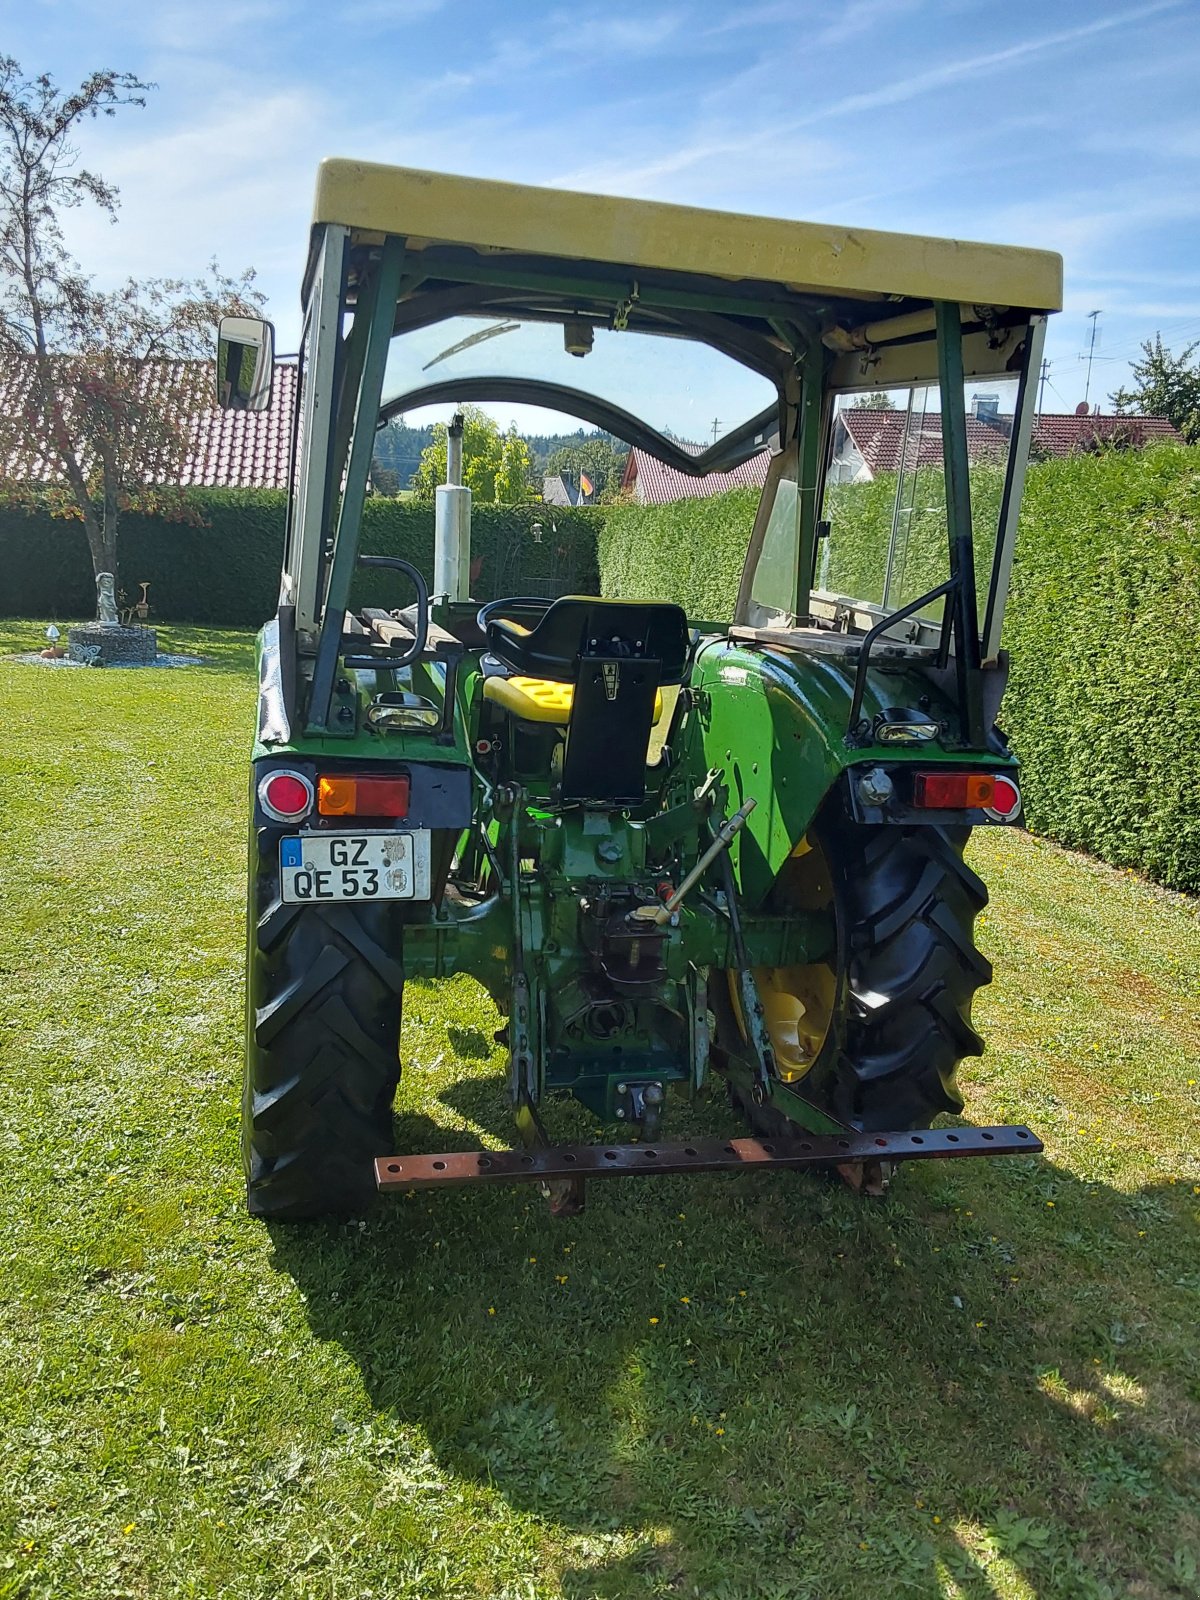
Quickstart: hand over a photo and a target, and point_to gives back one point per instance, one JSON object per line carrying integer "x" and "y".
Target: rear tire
{"x": 907, "y": 969}
{"x": 908, "y": 902}
{"x": 324, "y": 997}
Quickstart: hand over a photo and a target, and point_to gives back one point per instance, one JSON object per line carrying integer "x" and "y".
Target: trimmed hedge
{"x": 1103, "y": 626}
{"x": 226, "y": 572}
{"x": 690, "y": 551}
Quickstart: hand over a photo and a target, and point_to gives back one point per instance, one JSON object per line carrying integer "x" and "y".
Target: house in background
{"x": 559, "y": 490}
{"x": 228, "y": 450}
{"x": 867, "y": 442}
{"x": 246, "y": 449}
{"x": 651, "y": 483}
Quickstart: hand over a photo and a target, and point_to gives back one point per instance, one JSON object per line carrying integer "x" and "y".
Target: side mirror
{"x": 245, "y": 363}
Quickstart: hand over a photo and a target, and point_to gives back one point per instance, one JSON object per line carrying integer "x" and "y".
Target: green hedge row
{"x": 1103, "y": 626}
{"x": 226, "y": 571}
{"x": 690, "y": 551}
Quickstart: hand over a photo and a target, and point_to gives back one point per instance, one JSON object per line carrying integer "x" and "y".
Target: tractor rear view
{"x": 668, "y": 846}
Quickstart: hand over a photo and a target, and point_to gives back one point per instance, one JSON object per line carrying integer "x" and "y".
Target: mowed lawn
{"x": 987, "y": 1386}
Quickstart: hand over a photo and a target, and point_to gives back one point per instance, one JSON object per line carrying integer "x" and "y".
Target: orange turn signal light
{"x": 954, "y": 791}
{"x": 352, "y": 796}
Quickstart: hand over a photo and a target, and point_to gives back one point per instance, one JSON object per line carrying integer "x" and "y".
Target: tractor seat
{"x": 541, "y": 700}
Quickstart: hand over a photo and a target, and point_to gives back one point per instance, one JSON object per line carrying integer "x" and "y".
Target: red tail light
{"x": 1006, "y": 801}
{"x": 352, "y": 796}
{"x": 954, "y": 791}
{"x": 286, "y": 796}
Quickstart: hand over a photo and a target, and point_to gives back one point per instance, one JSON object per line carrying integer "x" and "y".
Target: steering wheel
{"x": 496, "y": 620}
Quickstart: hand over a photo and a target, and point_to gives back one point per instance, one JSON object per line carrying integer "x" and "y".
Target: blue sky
{"x": 1074, "y": 126}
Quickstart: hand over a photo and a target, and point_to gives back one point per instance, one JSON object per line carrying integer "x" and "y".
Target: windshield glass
{"x": 679, "y": 387}
{"x": 885, "y": 493}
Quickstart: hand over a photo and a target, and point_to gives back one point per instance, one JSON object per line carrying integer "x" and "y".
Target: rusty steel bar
{"x": 701, "y": 1155}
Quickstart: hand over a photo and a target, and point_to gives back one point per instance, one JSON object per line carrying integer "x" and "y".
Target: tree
{"x": 494, "y": 463}
{"x": 512, "y": 475}
{"x": 600, "y": 457}
{"x": 102, "y": 415}
{"x": 873, "y": 400}
{"x": 1168, "y": 385}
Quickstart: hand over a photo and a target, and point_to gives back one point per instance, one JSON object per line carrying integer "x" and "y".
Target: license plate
{"x": 354, "y": 866}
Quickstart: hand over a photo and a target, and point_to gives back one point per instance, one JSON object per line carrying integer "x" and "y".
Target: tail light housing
{"x": 350, "y": 795}
{"x": 285, "y": 795}
{"x": 996, "y": 794}
{"x": 953, "y": 791}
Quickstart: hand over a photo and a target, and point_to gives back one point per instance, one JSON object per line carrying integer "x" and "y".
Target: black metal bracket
{"x": 864, "y": 655}
{"x": 386, "y": 661}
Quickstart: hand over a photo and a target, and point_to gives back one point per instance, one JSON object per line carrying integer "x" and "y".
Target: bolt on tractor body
{"x": 669, "y": 847}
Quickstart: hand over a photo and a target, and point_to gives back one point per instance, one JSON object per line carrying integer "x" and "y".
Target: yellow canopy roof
{"x": 803, "y": 257}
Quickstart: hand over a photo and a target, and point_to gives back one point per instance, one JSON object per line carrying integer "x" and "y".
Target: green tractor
{"x": 668, "y": 846}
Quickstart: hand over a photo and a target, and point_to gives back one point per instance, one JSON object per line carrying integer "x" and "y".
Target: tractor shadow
{"x": 790, "y": 1386}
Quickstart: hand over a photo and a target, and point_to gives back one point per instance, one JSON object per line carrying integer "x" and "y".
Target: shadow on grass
{"x": 760, "y": 1386}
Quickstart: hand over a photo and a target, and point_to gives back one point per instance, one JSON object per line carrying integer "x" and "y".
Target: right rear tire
{"x": 900, "y": 982}
{"x": 324, "y": 998}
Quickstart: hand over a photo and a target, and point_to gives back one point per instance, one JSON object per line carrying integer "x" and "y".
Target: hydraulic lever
{"x": 663, "y": 912}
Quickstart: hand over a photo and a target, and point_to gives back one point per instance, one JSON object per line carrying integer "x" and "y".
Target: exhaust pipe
{"x": 452, "y": 524}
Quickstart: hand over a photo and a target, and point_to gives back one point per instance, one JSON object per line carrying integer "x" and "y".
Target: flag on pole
{"x": 585, "y": 484}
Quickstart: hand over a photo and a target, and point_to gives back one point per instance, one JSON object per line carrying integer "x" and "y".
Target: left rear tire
{"x": 325, "y": 988}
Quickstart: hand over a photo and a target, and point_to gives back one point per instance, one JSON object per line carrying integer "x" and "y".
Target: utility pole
{"x": 1042, "y": 386}
{"x": 1087, "y": 389}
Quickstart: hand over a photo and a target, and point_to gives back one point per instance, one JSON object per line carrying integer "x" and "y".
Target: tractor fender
{"x": 775, "y": 720}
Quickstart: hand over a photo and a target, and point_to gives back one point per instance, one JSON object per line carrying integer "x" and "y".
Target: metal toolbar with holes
{"x": 701, "y": 1155}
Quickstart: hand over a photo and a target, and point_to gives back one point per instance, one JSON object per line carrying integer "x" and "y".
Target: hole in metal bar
{"x": 526, "y": 1161}
{"x": 770, "y": 1149}
{"x": 1022, "y": 1133}
{"x": 688, "y": 1151}
{"x": 650, "y": 1154}
{"x": 610, "y": 1155}
{"x": 394, "y": 1166}
{"x": 484, "y": 1161}
{"x": 804, "y": 1145}
{"x": 729, "y": 1150}
{"x": 917, "y": 1139}
{"x": 843, "y": 1144}
{"x": 951, "y": 1138}
{"x": 439, "y": 1166}
{"x": 567, "y": 1156}
{"x": 989, "y": 1137}
{"x": 882, "y": 1143}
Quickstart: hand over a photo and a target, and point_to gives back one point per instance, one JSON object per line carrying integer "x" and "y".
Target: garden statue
{"x": 106, "y": 600}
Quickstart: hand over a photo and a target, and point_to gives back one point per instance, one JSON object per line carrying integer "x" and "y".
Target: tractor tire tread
{"x": 324, "y": 1003}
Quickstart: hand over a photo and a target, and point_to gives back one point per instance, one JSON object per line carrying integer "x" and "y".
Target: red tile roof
{"x": 229, "y": 449}
{"x": 879, "y": 436}
{"x": 885, "y": 444}
{"x": 655, "y": 484}
{"x": 1060, "y": 435}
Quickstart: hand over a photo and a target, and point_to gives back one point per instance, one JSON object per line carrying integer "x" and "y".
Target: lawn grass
{"x": 988, "y": 1386}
